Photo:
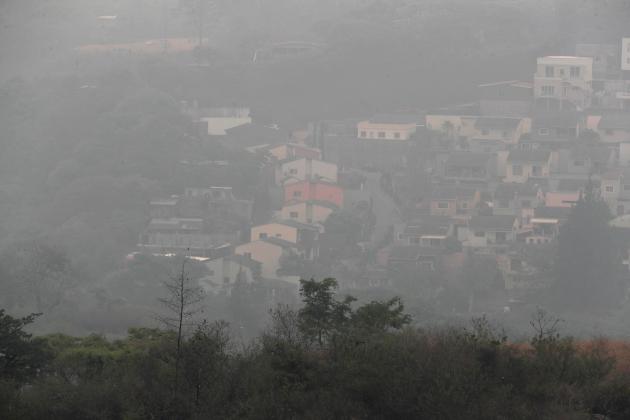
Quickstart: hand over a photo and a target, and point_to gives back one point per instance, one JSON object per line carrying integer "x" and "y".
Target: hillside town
{"x": 314, "y": 209}
{"x": 411, "y": 200}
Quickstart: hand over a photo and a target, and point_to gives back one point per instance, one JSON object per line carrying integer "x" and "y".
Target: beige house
{"x": 490, "y": 231}
{"x": 224, "y": 272}
{"x": 288, "y": 230}
{"x": 387, "y": 127}
{"x": 306, "y": 170}
{"x": 219, "y": 120}
{"x": 564, "y": 78}
{"x": 294, "y": 151}
{"x": 524, "y": 164}
{"x": 307, "y": 211}
{"x": 451, "y": 124}
{"x": 451, "y": 200}
{"x": 503, "y": 129}
{"x": 268, "y": 253}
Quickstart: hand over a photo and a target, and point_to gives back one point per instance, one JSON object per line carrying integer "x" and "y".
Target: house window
{"x": 480, "y": 234}
{"x": 363, "y": 134}
{"x": 464, "y": 205}
{"x": 547, "y": 90}
{"x": 396, "y": 135}
{"x": 565, "y": 92}
{"x": 435, "y": 242}
{"x": 293, "y": 214}
{"x": 526, "y": 203}
{"x": 610, "y": 188}
{"x": 293, "y": 171}
{"x": 609, "y": 132}
{"x": 414, "y": 241}
{"x": 485, "y": 132}
{"x": 297, "y": 193}
{"x": 381, "y": 134}
{"x": 549, "y": 71}
{"x": 517, "y": 170}
{"x": 442, "y": 205}
{"x": 262, "y": 236}
{"x": 400, "y": 236}
{"x": 426, "y": 265}
{"x": 626, "y": 187}
{"x": 536, "y": 170}
{"x": 575, "y": 72}
{"x": 226, "y": 280}
{"x": 501, "y": 237}
{"x": 543, "y": 131}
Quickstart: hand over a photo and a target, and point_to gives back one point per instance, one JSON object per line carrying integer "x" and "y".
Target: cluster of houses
{"x": 504, "y": 171}
{"x": 488, "y": 178}
{"x": 310, "y": 194}
{"x": 198, "y": 223}
{"x": 213, "y": 225}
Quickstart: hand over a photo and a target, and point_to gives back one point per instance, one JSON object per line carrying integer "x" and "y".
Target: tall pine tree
{"x": 588, "y": 269}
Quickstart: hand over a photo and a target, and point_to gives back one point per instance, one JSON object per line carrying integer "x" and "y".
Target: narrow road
{"x": 384, "y": 208}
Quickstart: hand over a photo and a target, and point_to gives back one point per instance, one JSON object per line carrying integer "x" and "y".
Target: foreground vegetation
{"x": 329, "y": 359}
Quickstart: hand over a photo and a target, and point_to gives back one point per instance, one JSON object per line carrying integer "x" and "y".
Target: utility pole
{"x": 164, "y": 19}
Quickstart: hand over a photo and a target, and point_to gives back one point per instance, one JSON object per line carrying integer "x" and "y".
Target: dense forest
{"x": 329, "y": 359}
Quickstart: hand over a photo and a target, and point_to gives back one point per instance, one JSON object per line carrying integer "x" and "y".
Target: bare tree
{"x": 182, "y": 303}
{"x": 546, "y": 327}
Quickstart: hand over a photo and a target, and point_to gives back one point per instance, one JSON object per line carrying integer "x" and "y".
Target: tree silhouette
{"x": 588, "y": 263}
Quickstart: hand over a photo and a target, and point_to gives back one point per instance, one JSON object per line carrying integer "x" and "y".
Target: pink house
{"x": 313, "y": 191}
{"x": 567, "y": 193}
{"x": 561, "y": 198}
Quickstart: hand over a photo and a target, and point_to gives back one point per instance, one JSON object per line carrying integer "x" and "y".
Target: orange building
{"x": 313, "y": 191}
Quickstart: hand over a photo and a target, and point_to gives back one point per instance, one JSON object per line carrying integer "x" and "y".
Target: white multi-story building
{"x": 565, "y": 79}
{"x": 625, "y": 54}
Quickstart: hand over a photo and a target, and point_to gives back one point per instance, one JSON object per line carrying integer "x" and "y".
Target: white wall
{"x": 625, "y": 54}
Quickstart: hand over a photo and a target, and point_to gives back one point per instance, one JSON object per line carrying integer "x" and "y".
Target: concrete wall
{"x": 275, "y": 230}
{"x": 306, "y": 212}
{"x": 396, "y": 132}
{"x": 304, "y": 169}
{"x": 265, "y": 253}
{"x": 304, "y": 191}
